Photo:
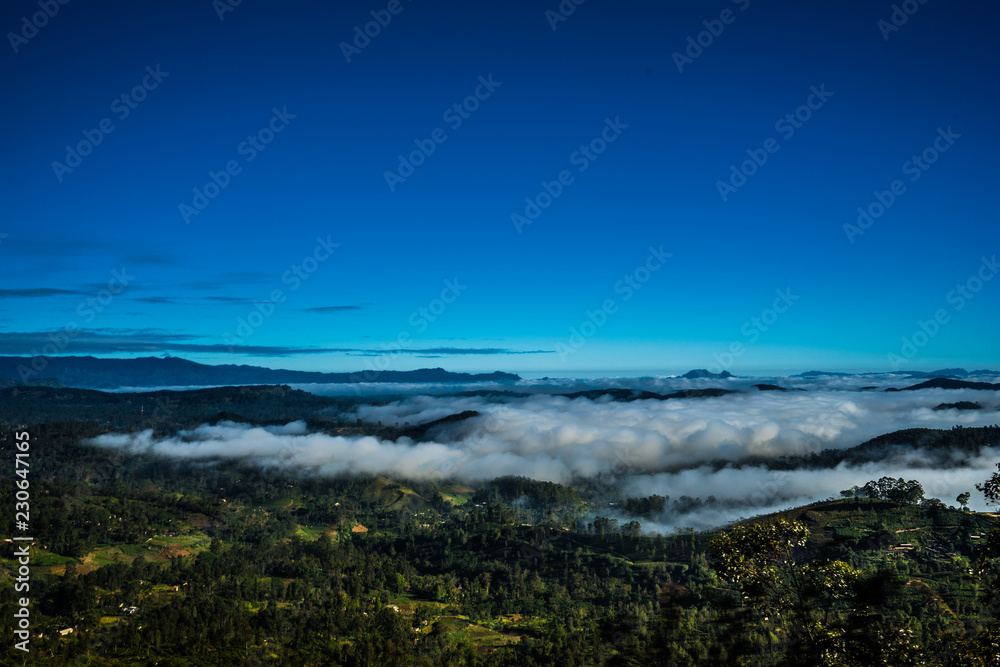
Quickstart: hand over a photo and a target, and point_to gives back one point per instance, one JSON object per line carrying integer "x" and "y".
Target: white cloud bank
{"x": 645, "y": 443}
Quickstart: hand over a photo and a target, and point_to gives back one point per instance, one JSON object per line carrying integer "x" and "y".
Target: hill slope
{"x": 97, "y": 373}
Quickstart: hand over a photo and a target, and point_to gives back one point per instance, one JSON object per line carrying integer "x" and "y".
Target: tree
{"x": 991, "y": 488}
{"x": 601, "y": 525}
{"x": 963, "y": 500}
{"x": 759, "y": 558}
{"x": 873, "y": 489}
{"x": 988, "y": 563}
{"x": 632, "y": 529}
{"x": 910, "y": 492}
{"x": 896, "y": 490}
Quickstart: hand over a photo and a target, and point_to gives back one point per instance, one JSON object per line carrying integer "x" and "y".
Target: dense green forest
{"x": 155, "y": 562}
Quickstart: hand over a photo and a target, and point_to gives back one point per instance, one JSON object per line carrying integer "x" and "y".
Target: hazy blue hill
{"x": 495, "y": 394}
{"x": 700, "y": 373}
{"x": 173, "y": 371}
{"x": 948, "y": 383}
{"x": 158, "y": 409}
{"x": 941, "y": 373}
{"x": 628, "y": 395}
{"x": 774, "y": 387}
{"x": 941, "y": 448}
{"x": 814, "y": 374}
{"x": 961, "y": 405}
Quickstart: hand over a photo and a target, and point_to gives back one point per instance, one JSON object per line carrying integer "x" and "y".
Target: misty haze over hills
{"x": 94, "y": 372}
{"x": 105, "y": 373}
{"x": 753, "y": 445}
{"x": 676, "y": 261}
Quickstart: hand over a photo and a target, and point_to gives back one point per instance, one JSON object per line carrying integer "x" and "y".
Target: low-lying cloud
{"x": 654, "y": 435}
{"x": 641, "y": 447}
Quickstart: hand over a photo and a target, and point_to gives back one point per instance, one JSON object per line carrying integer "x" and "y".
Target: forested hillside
{"x": 150, "y": 561}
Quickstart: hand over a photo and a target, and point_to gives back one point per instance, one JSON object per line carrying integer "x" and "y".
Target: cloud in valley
{"x": 643, "y": 447}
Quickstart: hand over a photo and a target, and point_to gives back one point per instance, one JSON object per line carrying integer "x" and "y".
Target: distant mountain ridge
{"x": 949, "y": 383}
{"x": 944, "y": 372}
{"x": 629, "y": 395}
{"x": 700, "y": 373}
{"x": 92, "y": 372}
{"x": 942, "y": 449}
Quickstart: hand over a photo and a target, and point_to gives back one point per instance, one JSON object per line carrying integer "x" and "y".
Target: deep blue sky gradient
{"x": 525, "y": 293}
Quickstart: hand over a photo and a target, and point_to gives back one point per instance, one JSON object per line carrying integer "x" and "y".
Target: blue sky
{"x": 311, "y": 256}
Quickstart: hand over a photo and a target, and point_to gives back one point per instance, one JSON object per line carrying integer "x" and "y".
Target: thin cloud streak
{"x": 36, "y": 293}
{"x": 90, "y": 341}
